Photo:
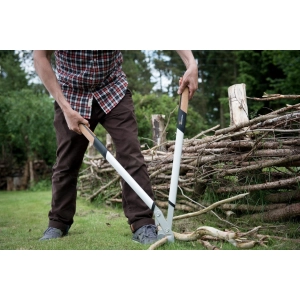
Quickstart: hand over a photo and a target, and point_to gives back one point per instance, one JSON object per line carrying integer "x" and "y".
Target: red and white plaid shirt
{"x": 88, "y": 74}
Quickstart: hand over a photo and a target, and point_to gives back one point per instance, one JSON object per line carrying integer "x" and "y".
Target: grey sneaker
{"x": 147, "y": 234}
{"x": 53, "y": 233}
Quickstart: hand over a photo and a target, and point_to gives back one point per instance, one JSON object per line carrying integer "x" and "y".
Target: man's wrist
{"x": 192, "y": 64}
{"x": 64, "y": 104}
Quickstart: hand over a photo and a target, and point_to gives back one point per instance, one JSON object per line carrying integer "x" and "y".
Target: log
{"x": 280, "y": 214}
{"x": 285, "y": 119}
{"x": 261, "y": 186}
{"x": 262, "y": 164}
{"x": 283, "y": 196}
{"x": 182, "y": 207}
{"x": 251, "y": 208}
{"x": 238, "y": 104}
{"x": 158, "y": 131}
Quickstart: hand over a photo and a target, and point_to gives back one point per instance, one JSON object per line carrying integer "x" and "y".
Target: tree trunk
{"x": 25, "y": 177}
{"x": 9, "y": 183}
{"x": 158, "y": 131}
{"x": 31, "y": 172}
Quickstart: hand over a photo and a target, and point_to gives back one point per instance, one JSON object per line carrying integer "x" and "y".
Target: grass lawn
{"x": 23, "y": 219}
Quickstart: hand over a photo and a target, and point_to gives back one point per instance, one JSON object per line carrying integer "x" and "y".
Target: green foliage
{"x": 225, "y": 117}
{"x": 271, "y": 72}
{"x": 41, "y": 186}
{"x": 12, "y": 77}
{"x": 289, "y": 63}
{"x": 147, "y": 105}
{"x": 137, "y": 70}
{"x": 27, "y": 127}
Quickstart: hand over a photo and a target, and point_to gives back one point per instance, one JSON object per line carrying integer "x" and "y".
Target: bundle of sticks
{"x": 261, "y": 155}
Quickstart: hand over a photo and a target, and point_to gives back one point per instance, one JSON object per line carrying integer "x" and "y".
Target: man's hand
{"x": 73, "y": 119}
{"x": 190, "y": 77}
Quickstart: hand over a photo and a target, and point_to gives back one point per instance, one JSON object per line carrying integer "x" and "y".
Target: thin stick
{"x": 275, "y": 97}
{"x": 158, "y": 243}
{"x": 103, "y": 188}
{"x": 210, "y": 207}
{"x": 221, "y": 219}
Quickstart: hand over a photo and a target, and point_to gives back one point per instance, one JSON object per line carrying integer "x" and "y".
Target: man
{"x": 91, "y": 88}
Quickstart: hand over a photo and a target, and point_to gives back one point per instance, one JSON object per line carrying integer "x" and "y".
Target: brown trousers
{"x": 121, "y": 124}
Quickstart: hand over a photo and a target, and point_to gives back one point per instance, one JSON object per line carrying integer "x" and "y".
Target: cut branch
{"x": 262, "y": 186}
{"x": 214, "y": 205}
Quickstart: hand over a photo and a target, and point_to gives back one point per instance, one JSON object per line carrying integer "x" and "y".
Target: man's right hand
{"x": 73, "y": 119}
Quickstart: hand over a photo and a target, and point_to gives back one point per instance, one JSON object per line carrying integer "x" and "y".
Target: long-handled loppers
{"x": 164, "y": 226}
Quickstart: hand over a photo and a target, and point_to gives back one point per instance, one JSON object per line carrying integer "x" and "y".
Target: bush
{"x": 147, "y": 105}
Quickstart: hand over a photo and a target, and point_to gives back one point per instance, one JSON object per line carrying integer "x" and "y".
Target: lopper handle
{"x": 184, "y": 102}
{"x": 87, "y": 133}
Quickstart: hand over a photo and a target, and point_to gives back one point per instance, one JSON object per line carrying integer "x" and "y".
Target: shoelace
{"x": 49, "y": 229}
{"x": 150, "y": 231}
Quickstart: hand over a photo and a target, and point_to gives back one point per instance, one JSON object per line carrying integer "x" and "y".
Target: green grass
{"x": 23, "y": 219}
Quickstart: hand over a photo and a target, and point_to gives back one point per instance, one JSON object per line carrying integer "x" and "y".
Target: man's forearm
{"x": 44, "y": 70}
{"x": 187, "y": 58}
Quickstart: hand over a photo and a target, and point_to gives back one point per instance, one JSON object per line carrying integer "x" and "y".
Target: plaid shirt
{"x": 88, "y": 74}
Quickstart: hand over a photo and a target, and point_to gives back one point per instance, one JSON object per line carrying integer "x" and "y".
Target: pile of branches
{"x": 259, "y": 157}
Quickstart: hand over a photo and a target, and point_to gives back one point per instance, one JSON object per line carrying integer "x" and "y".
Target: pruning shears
{"x": 164, "y": 225}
